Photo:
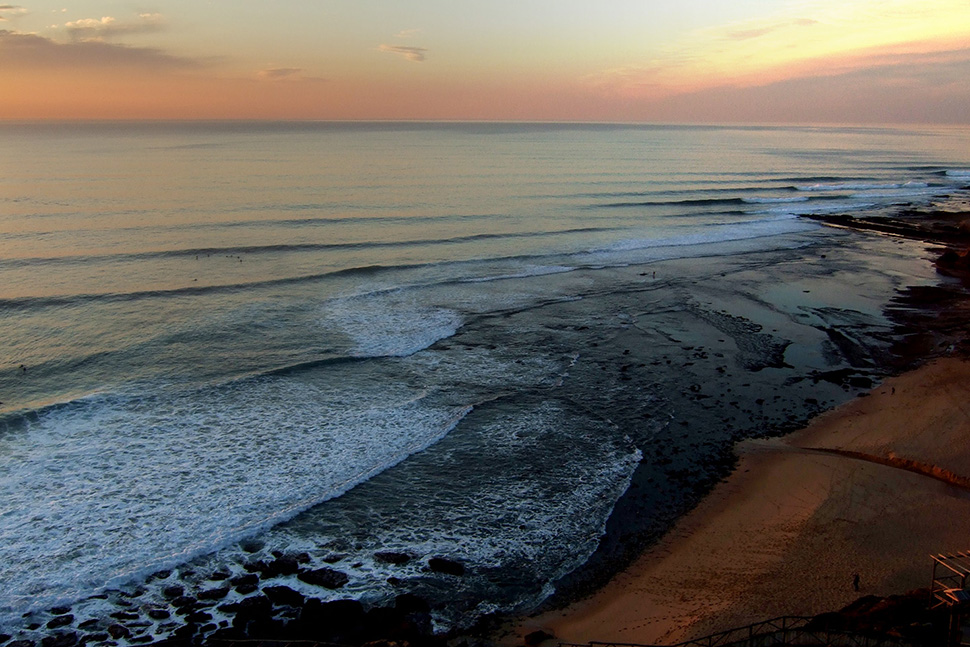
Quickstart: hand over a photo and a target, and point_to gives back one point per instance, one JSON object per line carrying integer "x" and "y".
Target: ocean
{"x": 228, "y": 341}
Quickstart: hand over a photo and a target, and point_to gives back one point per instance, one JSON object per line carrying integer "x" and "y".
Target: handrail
{"x": 782, "y": 623}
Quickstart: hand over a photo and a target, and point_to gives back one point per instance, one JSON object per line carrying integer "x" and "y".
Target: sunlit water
{"x": 211, "y": 329}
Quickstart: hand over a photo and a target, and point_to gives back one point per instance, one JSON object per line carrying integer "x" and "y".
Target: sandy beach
{"x": 787, "y": 531}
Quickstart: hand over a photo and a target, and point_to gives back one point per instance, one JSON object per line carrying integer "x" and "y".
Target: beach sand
{"x": 786, "y": 532}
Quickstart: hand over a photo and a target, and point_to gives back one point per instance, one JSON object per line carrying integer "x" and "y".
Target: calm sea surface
{"x": 207, "y": 331}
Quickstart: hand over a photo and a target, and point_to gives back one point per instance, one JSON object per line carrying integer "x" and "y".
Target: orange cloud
{"x": 280, "y": 74}
{"x": 29, "y": 51}
{"x": 415, "y": 54}
{"x": 11, "y": 11}
{"x": 110, "y": 27}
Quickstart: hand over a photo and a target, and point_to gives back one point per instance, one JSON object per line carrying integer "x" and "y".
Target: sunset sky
{"x": 806, "y": 61}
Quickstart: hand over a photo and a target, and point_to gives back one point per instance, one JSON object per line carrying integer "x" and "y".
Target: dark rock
{"x": 59, "y": 611}
{"x": 253, "y": 617}
{"x": 4, "y": 638}
{"x": 124, "y": 615}
{"x": 95, "y": 638}
{"x": 198, "y": 617}
{"x": 949, "y": 257}
{"x": 242, "y": 580}
{"x": 284, "y": 595}
{"x": 334, "y": 558}
{"x": 340, "y": 621}
{"x": 388, "y": 624}
{"x": 60, "y": 621}
{"x": 183, "y": 601}
{"x": 285, "y": 565}
{"x": 119, "y": 631}
{"x": 266, "y": 628}
{"x": 537, "y": 638}
{"x": 172, "y": 592}
{"x": 88, "y": 624}
{"x": 214, "y": 594}
{"x": 246, "y": 589}
{"x": 251, "y": 545}
{"x": 256, "y": 566}
{"x": 254, "y": 606}
{"x": 159, "y": 614}
{"x": 60, "y": 640}
{"x": 219, "y": 576}
{"x": 325, "y": 577}
{"x": 187, "y": 610}
{"x": 410, "y": 603}
{"x": 21, "y": 643}
{"x": 446, "y": 566}
{"x": 392, "y": 558}
{"x": 184, "y": 634}
{"x": 140, "y": 640}
{"x": 161, "y": 575}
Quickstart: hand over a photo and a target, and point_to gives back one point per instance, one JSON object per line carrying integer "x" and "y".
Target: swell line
{"x": 27, "y": 303}
{"x": 289, "y": 247}
{"x": 713, "y": 202}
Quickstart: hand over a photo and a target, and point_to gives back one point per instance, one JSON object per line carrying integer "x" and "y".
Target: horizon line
{"x": 432, "y": 121}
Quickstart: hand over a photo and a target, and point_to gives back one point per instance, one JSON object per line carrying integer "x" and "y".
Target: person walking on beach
{"x": 855, "y": 581}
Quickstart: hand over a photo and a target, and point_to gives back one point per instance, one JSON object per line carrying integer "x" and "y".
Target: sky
{"x": 684, "y": 61}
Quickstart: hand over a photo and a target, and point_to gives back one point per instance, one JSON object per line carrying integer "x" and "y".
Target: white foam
{"x": 537, "y": 488}
{"x": 902, "y": 192}
{"x": 389, "y": 324}
{"x": 821, "y": 208}
{"x": 958, "y": 173}
{"x": 858, "y": 186}
{"x": 783, "y": 223}
{"x": 100, "y": 492}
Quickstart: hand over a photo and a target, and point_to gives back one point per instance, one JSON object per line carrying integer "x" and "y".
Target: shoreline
{"x": 760, "y": 544}
{"x": 875, "y": 476}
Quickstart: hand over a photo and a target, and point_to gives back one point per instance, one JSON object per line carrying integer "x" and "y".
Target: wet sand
{"x": 786, "y": 532}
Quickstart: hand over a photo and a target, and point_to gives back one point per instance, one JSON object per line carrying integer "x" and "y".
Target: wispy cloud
{"x": 764, "y": 30}
{"x": 407, "y": 33}
{"x": 110, "y": 27}
{"x": 415, "y": 54}
{"x": 10, "y": 11}
{"x": 280, "y": 74}
{"x": 33, "y": 51}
